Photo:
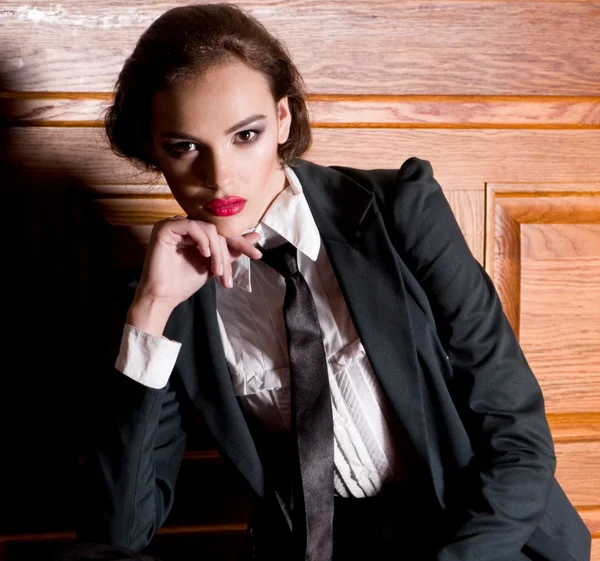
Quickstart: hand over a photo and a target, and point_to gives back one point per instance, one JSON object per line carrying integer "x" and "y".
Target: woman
{"x": 440, "y": 446}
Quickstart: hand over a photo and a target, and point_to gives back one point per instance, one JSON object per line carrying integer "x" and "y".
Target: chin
{"x": 229, "y": 228}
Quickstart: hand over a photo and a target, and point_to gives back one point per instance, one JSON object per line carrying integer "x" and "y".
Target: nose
{"x": 213, "y": 169}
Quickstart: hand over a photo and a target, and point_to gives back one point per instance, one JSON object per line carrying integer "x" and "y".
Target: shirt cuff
{"x": 145, "y": 358}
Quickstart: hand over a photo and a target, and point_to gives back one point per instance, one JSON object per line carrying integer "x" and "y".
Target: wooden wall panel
{"x": 414, "y": 47}
{"x": 502, "y": 98}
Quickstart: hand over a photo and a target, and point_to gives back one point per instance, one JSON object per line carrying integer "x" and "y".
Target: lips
{"x": 225, "y": 207}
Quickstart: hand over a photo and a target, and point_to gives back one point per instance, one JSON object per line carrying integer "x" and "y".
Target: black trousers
{"x": 385, "y": 528}
{"x": 397, "y": 524}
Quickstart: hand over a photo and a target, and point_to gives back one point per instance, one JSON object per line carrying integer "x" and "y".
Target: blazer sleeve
{"x": 130, "y": 471}
{"x": 500, "y": 400}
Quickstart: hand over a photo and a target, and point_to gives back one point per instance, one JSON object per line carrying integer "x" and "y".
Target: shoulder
{"x": 414, "y": 175}
{"x": 412, "y": 204}
{"x": 402, "y": 194}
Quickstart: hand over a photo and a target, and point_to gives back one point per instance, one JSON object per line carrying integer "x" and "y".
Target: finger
{"x": 244, "y": 245}
{"x": 252, "y": 237}
{"x": 216, "y": 249}
{"x": 199, "y": 237}
{"x": 226, "y": 279}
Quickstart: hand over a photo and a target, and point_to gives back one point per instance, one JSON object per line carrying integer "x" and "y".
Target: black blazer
{"x": 434, "y": 330}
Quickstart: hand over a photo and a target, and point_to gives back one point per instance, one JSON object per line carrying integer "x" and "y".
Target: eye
{"x": 180, "y": 148}
{"x": 248, "y": 136}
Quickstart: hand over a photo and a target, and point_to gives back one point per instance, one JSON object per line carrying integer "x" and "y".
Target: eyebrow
{"x": 242, "y": 123}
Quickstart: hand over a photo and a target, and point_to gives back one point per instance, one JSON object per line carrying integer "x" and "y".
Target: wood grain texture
{"x": 560, "y": 330}
{"x": 575, "y": 427}
{"x": 558, "y": 209}
{"x": 578, "y": 471}
{"x": 475, "y": 47}
{"x": 461, "y": 159}
{"x": 469, "y": 209}
{"x": 591, "y": 517}
{"x": 565, "y": 241}
{"x": 344, "y": 111}
{"x": 503, "y": 260}
{"x": 543, "y": 252}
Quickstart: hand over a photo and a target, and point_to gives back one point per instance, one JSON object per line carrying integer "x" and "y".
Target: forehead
{"x": 218, "y": 98}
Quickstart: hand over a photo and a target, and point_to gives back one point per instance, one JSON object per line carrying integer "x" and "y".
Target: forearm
{"x": 132, "y": 465}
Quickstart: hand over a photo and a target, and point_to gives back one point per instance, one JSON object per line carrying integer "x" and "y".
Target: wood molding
{"x": 575, "y": 427}
{"x": 509, "y": 206}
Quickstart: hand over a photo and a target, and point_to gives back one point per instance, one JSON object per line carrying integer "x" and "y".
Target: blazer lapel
{"x": 207, "y": 380}
{"x": 365, "y": 264}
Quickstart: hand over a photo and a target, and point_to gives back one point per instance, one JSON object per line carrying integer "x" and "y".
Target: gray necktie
{"x": 312, "y": 419}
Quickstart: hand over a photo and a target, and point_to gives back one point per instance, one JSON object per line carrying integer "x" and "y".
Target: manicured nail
{"x": 221, "y": 269}
{"x": 230, "y": 282}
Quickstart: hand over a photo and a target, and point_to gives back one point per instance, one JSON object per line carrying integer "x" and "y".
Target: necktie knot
{"x": 281, "y": 258}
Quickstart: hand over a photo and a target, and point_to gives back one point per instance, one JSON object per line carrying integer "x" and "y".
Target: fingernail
{"x": 220, "y": 269}
{"x": 230, "y": 282}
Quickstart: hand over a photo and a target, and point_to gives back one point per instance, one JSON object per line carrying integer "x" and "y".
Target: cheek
{"x": 259, "y": 165}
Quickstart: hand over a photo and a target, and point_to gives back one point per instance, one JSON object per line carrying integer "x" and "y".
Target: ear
{"x": 284, "y": 120}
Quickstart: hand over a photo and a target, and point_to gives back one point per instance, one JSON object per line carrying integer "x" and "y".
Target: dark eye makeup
{"x": 176, "y": 149}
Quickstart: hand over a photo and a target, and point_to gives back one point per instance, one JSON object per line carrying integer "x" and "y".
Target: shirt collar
{"x": 288, "y": 219}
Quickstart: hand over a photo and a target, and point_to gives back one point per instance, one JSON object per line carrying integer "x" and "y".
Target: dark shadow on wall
{"x": 56, "y": 295}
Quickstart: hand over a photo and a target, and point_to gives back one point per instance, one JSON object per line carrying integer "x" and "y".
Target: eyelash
{"x": 178, "y": 148}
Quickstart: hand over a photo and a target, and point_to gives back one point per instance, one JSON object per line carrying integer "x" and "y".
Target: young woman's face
{"x": 216, "y": 137}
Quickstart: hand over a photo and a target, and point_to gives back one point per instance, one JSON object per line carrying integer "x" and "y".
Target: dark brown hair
{"x": 184, "y": 42}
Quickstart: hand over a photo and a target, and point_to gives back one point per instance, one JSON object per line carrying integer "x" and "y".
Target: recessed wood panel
{"x": 414, "y": 47}
{"x": 543, "y": 253}
{"x": 560, "y": 314}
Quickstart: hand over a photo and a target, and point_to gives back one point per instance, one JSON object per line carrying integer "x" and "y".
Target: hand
{"x": 182, "y": 256}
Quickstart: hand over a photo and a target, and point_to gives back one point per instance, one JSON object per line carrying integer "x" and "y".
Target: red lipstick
{"x": 225, "y": 207}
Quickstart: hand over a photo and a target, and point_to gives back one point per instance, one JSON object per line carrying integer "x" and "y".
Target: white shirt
{"x": 252, "y": 328}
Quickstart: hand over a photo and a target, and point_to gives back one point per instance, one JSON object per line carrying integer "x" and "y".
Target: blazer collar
{"x": 338, "y": 203}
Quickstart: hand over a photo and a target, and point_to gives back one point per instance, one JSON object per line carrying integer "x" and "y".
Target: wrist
{"x": 149, "y": 314}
